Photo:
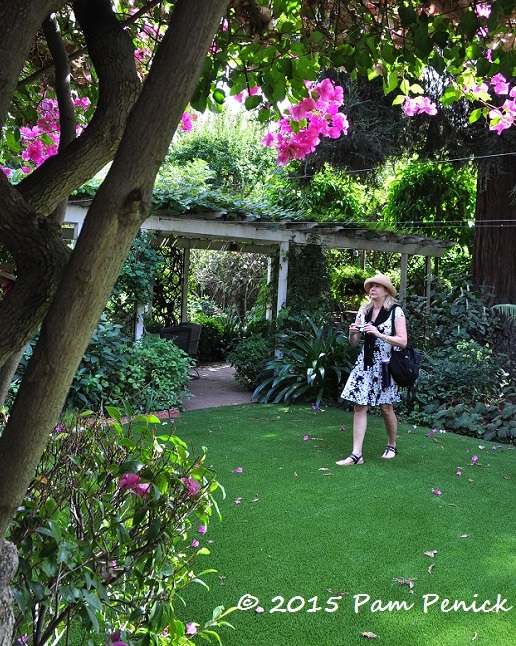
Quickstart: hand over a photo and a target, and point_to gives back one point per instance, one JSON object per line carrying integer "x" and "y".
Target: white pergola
{"x": 217, "y": 231}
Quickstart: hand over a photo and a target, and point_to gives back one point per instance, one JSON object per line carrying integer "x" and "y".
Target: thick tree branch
{"x": 40, "y": 256}
{"x": 112, "y": 54}
{"x": 67, "y": 121}
{"x": 20, "y": 21}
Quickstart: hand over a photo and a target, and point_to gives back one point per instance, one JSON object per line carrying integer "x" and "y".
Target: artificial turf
{"x": 331, "y": 553}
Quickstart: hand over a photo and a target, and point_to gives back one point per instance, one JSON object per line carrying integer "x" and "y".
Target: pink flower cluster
{"x": 132, "y": 482}
{"x": 314, "y": 117}
{"x": 418, "y": 105}
{"x": 503, "y": 117}
{"x": 42, "y": 140}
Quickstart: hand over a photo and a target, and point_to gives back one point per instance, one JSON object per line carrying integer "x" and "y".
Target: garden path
{"x": 216, "y": 386}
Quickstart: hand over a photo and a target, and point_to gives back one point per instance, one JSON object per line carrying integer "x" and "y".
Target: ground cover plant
{"x": 327, "y": 555}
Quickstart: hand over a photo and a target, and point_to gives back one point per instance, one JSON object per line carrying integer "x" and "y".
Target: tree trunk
{"x": 8, "y": 567}
{"x": 120, "y": 206}
{"x": 494, "y": 257}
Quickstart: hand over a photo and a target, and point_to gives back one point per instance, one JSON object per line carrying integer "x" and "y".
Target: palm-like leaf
{"x": 312, "y": 366}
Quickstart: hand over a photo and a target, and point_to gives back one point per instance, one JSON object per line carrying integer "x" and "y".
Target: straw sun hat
{"x": 382, "y": 280}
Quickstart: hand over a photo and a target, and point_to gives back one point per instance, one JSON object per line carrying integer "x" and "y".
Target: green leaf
{"x": 253, "y": 102}
{"x": 475, "y": 115}
{"x": 469, "y": 24}
{"x": 407, "y": 15}
{"x": 219, "y": 96}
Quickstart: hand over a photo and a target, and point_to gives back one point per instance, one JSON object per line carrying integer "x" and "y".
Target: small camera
{"x": 360, "y": 329}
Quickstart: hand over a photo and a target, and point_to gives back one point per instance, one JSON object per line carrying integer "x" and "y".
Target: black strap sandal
{"x": 355, "y": 459}
{"x": 390, "y": 449}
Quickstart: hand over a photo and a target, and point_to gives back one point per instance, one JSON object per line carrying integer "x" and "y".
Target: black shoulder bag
{"x": 404, "y": 364}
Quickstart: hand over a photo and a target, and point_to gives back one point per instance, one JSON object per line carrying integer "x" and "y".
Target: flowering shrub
{"x": 109, "y": 532}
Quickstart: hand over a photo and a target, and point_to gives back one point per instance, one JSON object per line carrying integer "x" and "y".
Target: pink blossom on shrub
{"x": 129, "y": 481}
{"x": 192, "y": 485}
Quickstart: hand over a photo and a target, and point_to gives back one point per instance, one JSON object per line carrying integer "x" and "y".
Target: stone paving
{"x": 216, "y": 386}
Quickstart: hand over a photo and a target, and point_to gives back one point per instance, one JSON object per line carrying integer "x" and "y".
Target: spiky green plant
{"x": 313, "y": 363}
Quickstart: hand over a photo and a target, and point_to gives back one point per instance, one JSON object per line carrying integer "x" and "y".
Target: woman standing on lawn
{"x": 369, "y": 383}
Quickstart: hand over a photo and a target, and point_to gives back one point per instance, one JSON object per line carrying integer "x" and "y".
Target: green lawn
{"x": 298, "y": 532}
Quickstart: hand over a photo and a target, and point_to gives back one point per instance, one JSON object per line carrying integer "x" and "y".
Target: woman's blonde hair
{"x": 388, "y": 303}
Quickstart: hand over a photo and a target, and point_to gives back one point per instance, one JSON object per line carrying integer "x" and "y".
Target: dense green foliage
{"x": 149, "y": 374}
{"x": 108, "y": 533}
{"x": 134, "y": 285}
{"x": 212, "y": 343}
{"x": 463, "y": 385}
{"x": 313, "y": 364}
{"x": 230, "y": 145}
{"x": 434, "y": 200}
{"x": 347, "y": 286}
{"x": 250, "y": 357}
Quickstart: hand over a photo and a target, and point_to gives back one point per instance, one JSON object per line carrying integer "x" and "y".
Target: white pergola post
{"x": 428, "y": 281}
{"x": 138, "y": 322}
{"x": 184, "y": 285}
{"x": 268, "y": 311}
{"x": 282, "y": 275}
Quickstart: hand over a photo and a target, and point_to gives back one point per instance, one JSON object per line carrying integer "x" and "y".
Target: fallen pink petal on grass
{"x": 306, "y": 438}
{"x": 437, "y": 492}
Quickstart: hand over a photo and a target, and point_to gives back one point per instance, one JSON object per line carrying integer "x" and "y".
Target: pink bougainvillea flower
{"x": 500, "y": 84}
{"x": 202, "y": 529}
{"x": 142, "y": 489}
{"x": 483, "y": 10}
{"x": 306, "y": 438}
{"x": 238, "y": 470}
{"x": 418, "y": 105}
{"x": 115, "y": 639}
{"x": 459, "y": 473}
{"x": 437, "y": 492}
{"x": 238, "y": 501}
{"x": 191, "y": 628}
{"x": 474, "y": 458}
{"x": 342, "y": 428}
{"x": 129, "y": 481}
{"x": 194, "y": 543}
{"x": 192, "y": 485}
{"x": 259, "y": 610}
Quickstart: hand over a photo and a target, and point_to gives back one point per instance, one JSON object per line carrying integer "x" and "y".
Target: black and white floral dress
{"x": 364, "y": 385}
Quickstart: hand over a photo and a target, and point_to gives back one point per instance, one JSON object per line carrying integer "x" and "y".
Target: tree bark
{"x": 494, "y": 258}
{"x": 120, "y": 206}
{"x": 8, "y": 567}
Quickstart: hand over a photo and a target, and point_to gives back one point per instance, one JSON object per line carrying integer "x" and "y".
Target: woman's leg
{"x": 391, "y": 426}
{"x": 359, "y": 429}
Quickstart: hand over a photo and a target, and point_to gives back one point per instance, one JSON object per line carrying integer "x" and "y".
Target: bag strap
{"x": 393, "y": 324}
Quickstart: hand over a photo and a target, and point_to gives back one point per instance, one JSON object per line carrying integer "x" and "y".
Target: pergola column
{"x": 184, "y": 285}
{"x": 284, "y": 248}
{"x": 268, "y": 311}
